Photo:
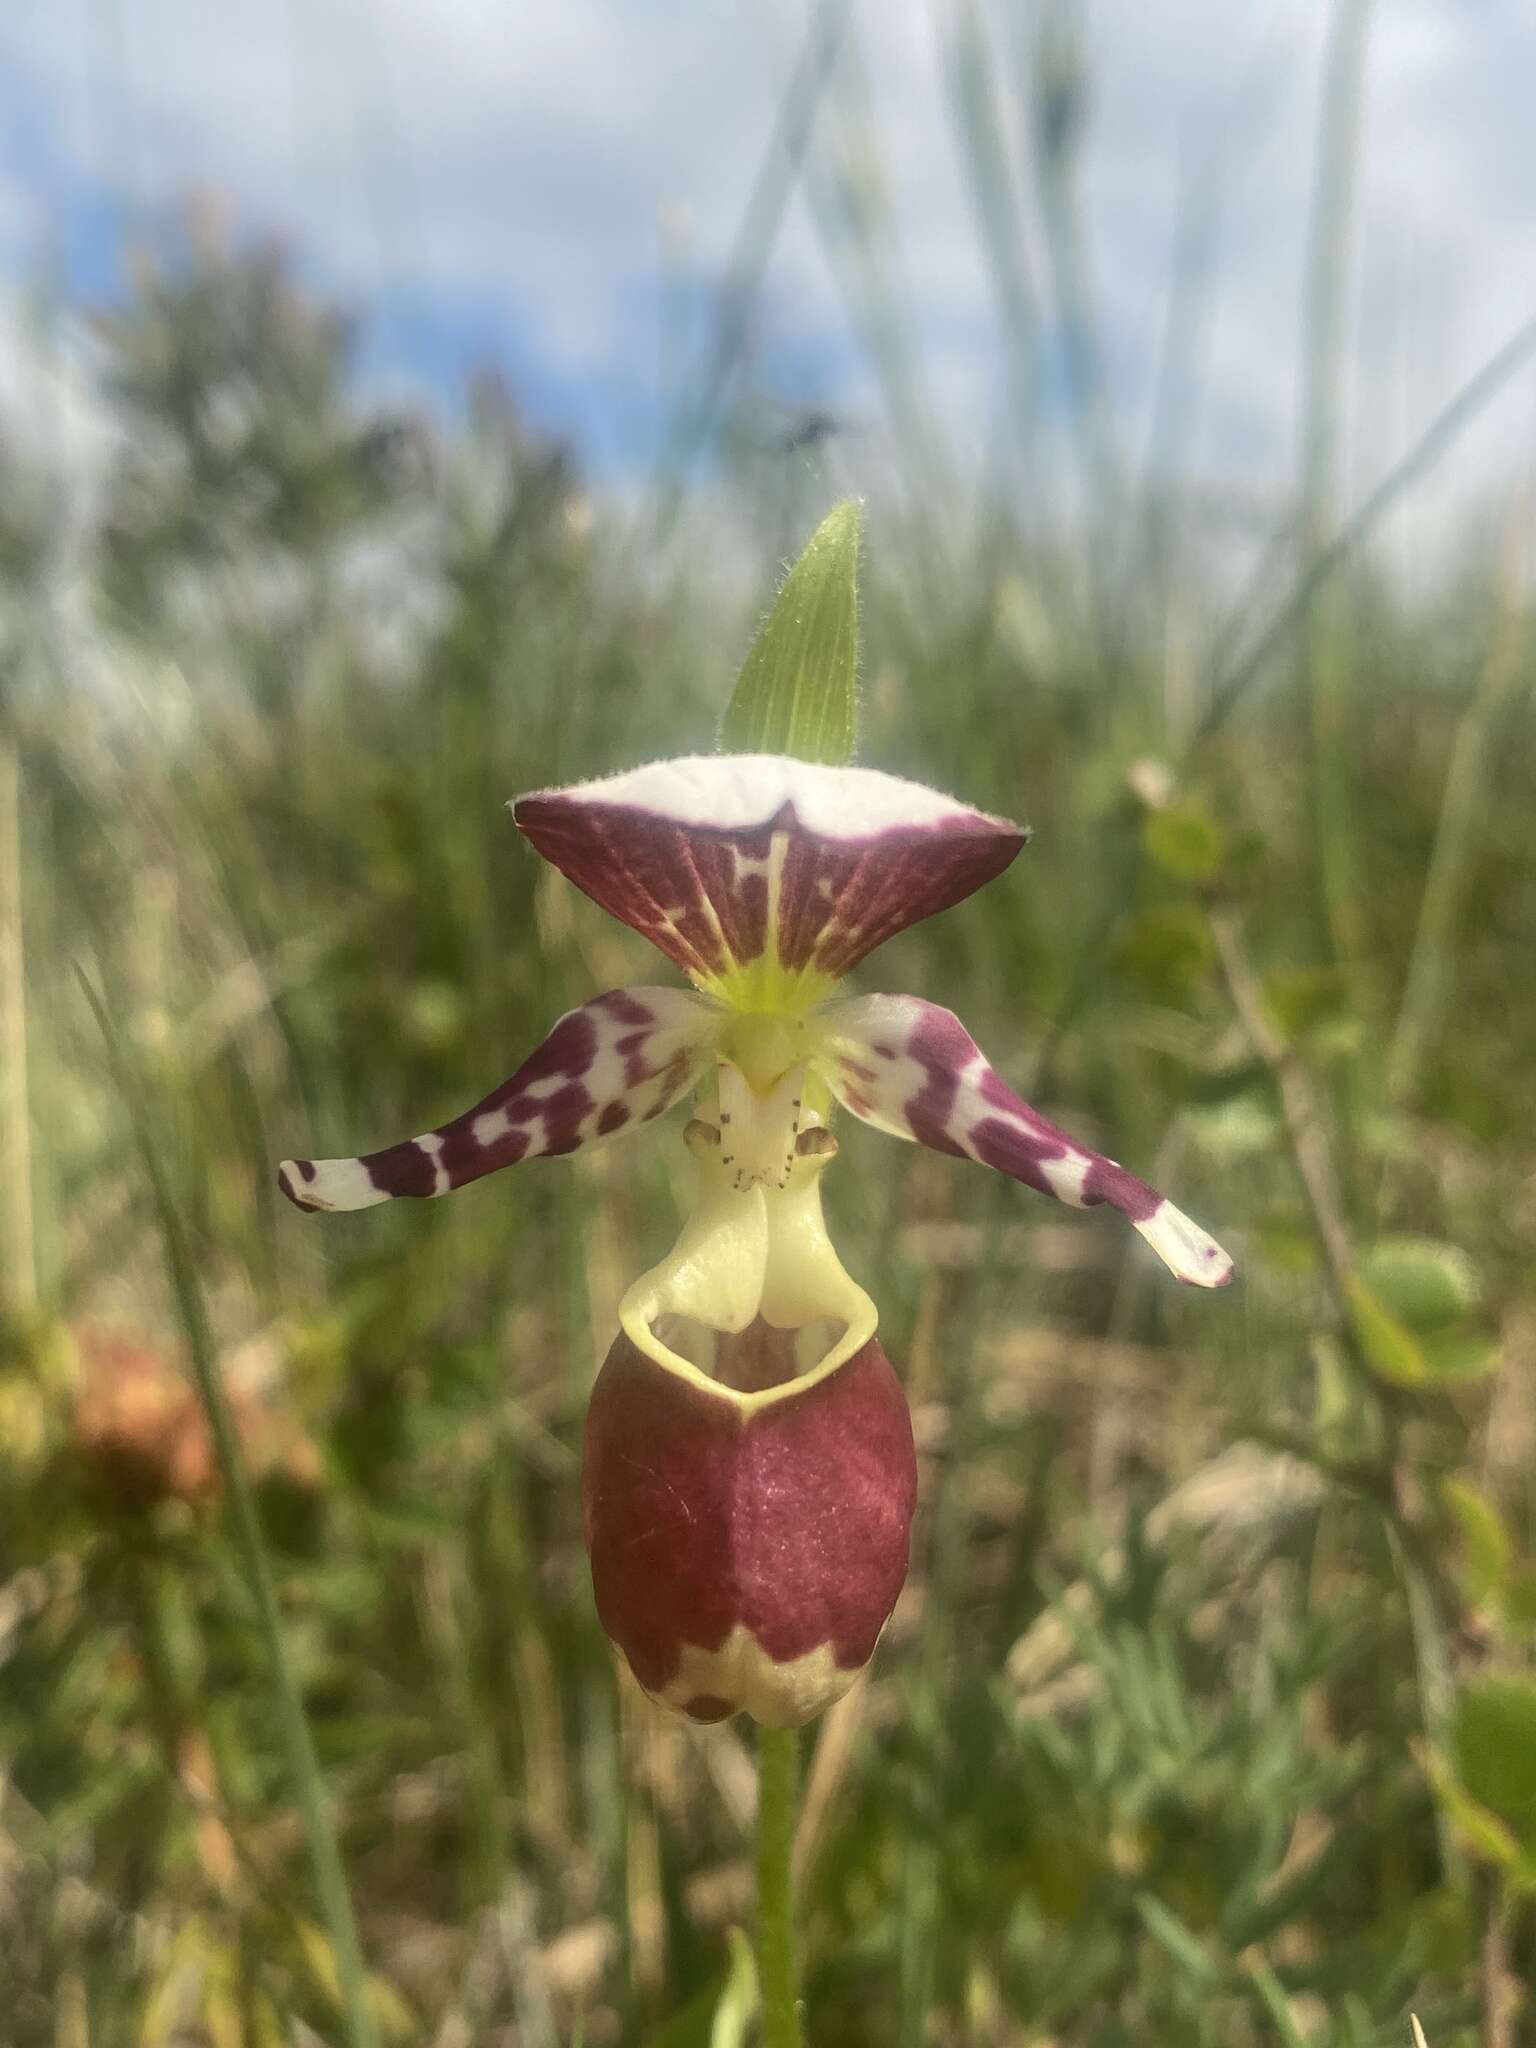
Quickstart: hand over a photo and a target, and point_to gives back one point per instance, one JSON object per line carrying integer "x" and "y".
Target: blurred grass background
{"x": 1209, "y": 1714}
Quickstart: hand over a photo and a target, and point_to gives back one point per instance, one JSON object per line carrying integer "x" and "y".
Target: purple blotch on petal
{"x": 941, "y": 1090}
{"x": 624, "y": 1056}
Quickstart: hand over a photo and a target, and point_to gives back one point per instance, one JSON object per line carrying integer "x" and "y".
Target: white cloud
{"x": 515, "y": 158}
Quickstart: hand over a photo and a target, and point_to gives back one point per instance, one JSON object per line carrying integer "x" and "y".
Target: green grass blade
{"x": 18, "y": 1272}
{"x": 1326, "y": 659}
{"x": 755, "y": 241}
{"x": 1428, "y": 982}
{"x": 798, "y": 688}
{"x": 1230, "y": 689}
{"x": 304, "y": 1766}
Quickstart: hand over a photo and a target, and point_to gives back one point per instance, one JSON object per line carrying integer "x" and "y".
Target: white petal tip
{"x": 1189, "y": 1252}
{"x": 328, "y": 1184}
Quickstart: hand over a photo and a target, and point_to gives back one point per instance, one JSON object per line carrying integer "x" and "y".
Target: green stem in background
{"x": 848, "y": 187}
{"x": 1327, "y": 681}
{"x": 1157, "y": 518}
{"x": 981, "y": 136}
{"x": 18, "y": 1277}
{"x": 754, "y": 244}
{"x": 1462, "y": 809}
{"x": 1227, "y": 687}
{"x": 778, "y": 1805}
{"x": 304, "y": 1766}
{"x": 1059, "y": 88}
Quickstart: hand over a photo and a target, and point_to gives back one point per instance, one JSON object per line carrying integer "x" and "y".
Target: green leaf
{"x": 1457, "y": 1357}
{"x": 1494, "y": 1737}
{"x": 721, "y": 2014}
{"x": 739, "y": 2000}
{"x": 1334, "y": 1407}
{"x": 1301, "y": 1000}
{"x": 1286, "y": 1242}
{"x": 1167, "y": 952}
{"x": 1519, "y": 1601}
{"x": 1481, "y": 1830}
{"x": 1427, "y": 1285}
{"x": 1167, "y": 1929}
{"x": 1391, "y": 1350}
{"x": 1410, "y": 1328}
{"x": 1235, "y": 1081}
{"x": 1485, "y": 1544}
{"x": 1412, "y": 1299}
{"x": 178, "y": 1634}
{"x": 797, "y": 691}
{"x": 1276, "y": 2003}
{"x": 1184, "y": 840}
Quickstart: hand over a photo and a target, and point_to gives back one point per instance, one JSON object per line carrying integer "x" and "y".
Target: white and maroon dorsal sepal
{"x": 760, "y": 875}
{"x": 614, "y": 1062}
{"x": 911, "y": 1068}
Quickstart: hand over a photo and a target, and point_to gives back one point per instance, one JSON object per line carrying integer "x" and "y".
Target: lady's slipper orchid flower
{"x": 749, "y": 1475}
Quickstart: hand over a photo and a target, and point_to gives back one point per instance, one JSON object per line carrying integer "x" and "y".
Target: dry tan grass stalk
{"x": 829, "y": 1766}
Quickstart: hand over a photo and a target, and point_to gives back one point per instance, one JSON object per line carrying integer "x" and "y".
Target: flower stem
{"x": 303, "y": 1764}
{"x": 778, "y": 1803}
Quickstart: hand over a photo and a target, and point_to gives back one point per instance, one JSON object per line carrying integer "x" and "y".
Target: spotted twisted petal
{"x": 736, "y": 862}
{"x": 913, "y": 1069}
{"x": 618, "y": 1060}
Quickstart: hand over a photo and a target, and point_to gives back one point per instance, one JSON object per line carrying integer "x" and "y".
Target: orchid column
{"x": 749, "y": 1477}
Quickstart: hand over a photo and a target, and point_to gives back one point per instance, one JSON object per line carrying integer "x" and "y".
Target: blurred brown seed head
{"x": 137, "y": 1426}
{"x": 142, "y": 1437}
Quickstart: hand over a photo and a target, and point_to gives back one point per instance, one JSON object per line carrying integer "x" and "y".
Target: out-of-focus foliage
{"x": 1208, "y": 1714}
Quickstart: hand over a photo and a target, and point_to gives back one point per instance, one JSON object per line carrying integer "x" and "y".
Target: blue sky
{"x": 496, "y": 181}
